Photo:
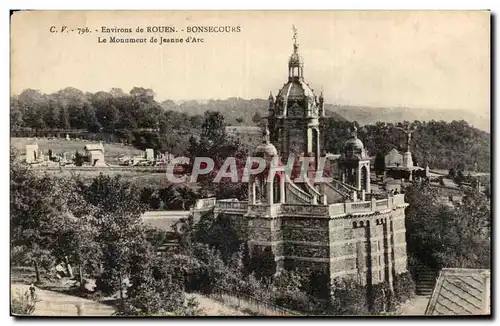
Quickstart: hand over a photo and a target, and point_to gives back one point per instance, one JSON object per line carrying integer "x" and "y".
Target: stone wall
{"x": 399, "y": 236}
{"x": 369, "y": 246}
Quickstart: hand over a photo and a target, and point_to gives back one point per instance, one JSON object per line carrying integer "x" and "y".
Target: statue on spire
{"x": 295, "y": 44}
{"x": 354, "y": 130}
{"x": 266, "y": 133}
{"x": 408, "y": 130}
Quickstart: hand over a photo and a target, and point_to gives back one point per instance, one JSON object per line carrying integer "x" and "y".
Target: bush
{"x": 348, "y": 298}
{"x": 404, "y": 287}
{"x": 381, "y": 299}
{"x": 299, "y": 301}
{"x": 22, "y": 303}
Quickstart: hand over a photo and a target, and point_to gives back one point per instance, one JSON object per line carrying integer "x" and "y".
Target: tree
{"x": 64, "y": 119}
{"x": 77, "y": 241}
{"x": 379, "y": 163}
{"x": 156, "y": 288}
{"x": 186, "y": 197}
{"x": 168, "y": 196}
{"x": 348, "y": 298}
{"x": 213, "y": 128}
{"x": 78, "y": 159}
{"x": 218, "y": 233}
{"x": 459, "y": 178}
{"x": 119, "y": 226}
{"x": 256, "y": 118}
{"x": 37, "y": 209}
{"x": 443, "y": 236}
{"x": 287, "y": 291}
{"x": 16, "y": 113}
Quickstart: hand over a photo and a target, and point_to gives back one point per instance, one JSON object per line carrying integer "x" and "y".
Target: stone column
{"x": 251, "y": 191}
{"x": 282, "y": 189}
{"x": 270, "y": 192}
{"x": 358, "y": 178}
{"x": 318, "y": 147}
{"x": 368, "y": 186}
{"x": 389, "y": 244}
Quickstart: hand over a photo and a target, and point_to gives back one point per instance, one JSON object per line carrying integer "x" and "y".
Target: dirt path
{"x": 414, "y": 307}
{"x": 58, "y": 304}
{"x": 215, "y": 308}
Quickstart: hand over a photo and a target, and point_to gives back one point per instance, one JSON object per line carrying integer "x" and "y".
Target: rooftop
{"x": 461, "y": 291}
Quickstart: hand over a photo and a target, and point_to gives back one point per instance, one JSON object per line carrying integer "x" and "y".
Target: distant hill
{"x": 365, "y": 115}
{"x": 238, "y": 111}
{"x": 440, "y": 144}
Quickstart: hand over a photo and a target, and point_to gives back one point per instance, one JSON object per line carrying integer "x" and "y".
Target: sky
{"x": 419, "y": 59}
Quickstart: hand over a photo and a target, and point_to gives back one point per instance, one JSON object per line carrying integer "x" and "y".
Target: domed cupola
{"x": 296, "y": 98}
{"x": 354, "y": 164}
{"x": 354, "y": 146}
{"x": 294, "y": 113}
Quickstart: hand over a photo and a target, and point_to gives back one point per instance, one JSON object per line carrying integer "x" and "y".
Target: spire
{"x": 295, "y": 64}
{"x": 321, "y": 107}
{"x": 271, "y": 96}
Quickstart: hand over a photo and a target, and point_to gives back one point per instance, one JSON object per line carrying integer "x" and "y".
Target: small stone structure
{"x": 95, "y": 154}
{"x": 393, "y": 158}
{"x": 33, "y": 154}
{"x": 150, "y": 154}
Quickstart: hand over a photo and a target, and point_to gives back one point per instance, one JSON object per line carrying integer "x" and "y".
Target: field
{"x": 111, "y": 150}
{"x": 140, "y": 178}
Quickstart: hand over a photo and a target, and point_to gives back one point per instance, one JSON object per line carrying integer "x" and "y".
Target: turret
{"x": 271, "y": 105}
{"x": 321, "y": 109}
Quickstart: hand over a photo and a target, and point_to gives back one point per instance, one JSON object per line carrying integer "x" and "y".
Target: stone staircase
{"x": 425, "y": 280}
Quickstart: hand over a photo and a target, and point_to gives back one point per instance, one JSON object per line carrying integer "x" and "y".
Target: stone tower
{"x": 354, "y": 164}
{"x": 286, "y": 224}
{"x": 294, "y": 113}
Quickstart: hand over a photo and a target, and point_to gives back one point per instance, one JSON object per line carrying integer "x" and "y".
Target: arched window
{"x": 276, "y": 189}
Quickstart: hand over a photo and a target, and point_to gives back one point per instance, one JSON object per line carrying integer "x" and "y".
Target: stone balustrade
{"x": 232, "y": 205}
{"x": 205, "y": 203}
{"x": 305, "y": 209}
{"x": 316, "y": 210}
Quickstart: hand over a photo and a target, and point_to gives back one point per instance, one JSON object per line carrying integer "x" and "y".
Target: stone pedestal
{"x": 407, "y": 160}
